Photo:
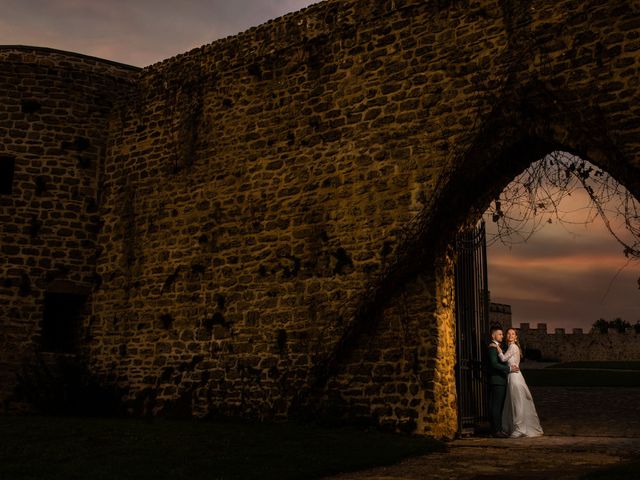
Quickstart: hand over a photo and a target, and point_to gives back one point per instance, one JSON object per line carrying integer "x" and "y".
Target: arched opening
{"x": 552, "y": 191}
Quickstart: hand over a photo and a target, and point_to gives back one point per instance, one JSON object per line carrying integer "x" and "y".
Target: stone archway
{"x": 586, "y": 395}
{"x": 527, "y": 123}
{"x": 590, "y": 399}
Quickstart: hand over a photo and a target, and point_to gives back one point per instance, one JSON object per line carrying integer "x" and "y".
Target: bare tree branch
{"x": 534, "y": 197}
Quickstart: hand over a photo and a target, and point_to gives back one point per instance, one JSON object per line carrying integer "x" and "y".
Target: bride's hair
{"x": 516, "y": 341}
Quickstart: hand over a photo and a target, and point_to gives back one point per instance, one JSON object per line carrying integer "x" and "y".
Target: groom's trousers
{"x": 497, "y": 393}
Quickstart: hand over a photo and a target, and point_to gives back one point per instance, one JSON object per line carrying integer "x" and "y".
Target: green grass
{"x": 624, "y": 471}
{"x": 622, "y": 365}
{"x": 90, "y": 448}
{"x": 586, "y": 374}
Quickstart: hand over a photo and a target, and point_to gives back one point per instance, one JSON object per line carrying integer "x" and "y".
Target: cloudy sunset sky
{"x": 566, "y": 275}
{"x": 563, "y": 278}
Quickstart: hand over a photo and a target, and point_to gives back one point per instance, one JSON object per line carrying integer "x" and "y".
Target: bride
{"x": 519, "y": 417}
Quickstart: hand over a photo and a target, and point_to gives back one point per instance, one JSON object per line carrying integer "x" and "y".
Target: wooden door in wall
{"x": 472, "y": 329}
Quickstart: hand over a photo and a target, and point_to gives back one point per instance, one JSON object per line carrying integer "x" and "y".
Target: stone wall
{"x": 276, "y": 203}
{"x": 277, "y": 206}
{"x": 561, "y": 346}
{"x": 579, "y": 346}
{"x": 54, "y": 109}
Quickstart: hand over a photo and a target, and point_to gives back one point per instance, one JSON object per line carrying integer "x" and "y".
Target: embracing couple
{"x": 511, "y": 407}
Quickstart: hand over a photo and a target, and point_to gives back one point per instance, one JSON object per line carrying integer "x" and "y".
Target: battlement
{"x": 541, "y": 329}
{"x": 578, "y": 345}
{"x": 568, "y": 345}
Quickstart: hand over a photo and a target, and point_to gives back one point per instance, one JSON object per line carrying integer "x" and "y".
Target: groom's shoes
{"x": 500, "y": 435}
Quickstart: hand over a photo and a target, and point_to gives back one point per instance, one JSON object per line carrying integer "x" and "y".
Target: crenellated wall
{"x": 562, "y": 346}
{"x": 580, "y": 346}
{"x": 277, "y": 207}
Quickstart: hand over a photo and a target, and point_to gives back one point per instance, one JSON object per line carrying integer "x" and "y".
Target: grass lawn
{"x": 622, "y": 365}
{"x": 93, "y": 448}
{"x": 586, "y": 374}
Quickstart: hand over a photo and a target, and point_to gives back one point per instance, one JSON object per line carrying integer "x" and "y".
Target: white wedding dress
{"x": 519, "y": 417}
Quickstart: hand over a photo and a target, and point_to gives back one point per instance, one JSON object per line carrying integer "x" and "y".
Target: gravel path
{"x": 585, "y": 411}
{"x": 585, "y": 428}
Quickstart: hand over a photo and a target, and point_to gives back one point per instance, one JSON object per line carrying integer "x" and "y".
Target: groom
{"x": 498, "y": 372}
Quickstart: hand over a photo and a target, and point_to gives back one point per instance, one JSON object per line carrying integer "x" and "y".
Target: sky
{"x": 564, "y": 279}
{"x": 135, "y": 32}
{"x": 565, "y": 275}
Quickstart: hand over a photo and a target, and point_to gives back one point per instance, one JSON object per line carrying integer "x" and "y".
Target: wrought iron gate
{"x": 472, "y": 328}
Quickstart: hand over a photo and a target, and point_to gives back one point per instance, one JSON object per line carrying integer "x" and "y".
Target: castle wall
{"x": 579, "y": 346}
{"x": 274, "y": 209}
{"x": 277, "y": 203}
{"x": 53, "y": 123}
{"x": 564, "y": 346}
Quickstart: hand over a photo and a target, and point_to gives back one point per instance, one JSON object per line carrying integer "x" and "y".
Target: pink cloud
{"x": 575, "y": 263}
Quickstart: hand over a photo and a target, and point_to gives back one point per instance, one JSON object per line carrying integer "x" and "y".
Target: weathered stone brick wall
{"x": 562, "y": 346}
{"x": 277, "y": 205}
{"x": 53, "y": 123}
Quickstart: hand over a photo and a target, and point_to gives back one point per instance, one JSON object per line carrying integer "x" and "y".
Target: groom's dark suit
{"x": 498, "y": 372}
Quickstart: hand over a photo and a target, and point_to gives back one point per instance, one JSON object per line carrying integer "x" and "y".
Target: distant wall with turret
{"x": 540, "y": 344}
{"x": 578, "y": 345}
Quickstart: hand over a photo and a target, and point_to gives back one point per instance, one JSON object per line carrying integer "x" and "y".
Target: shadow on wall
{"x": 60, "y": 384}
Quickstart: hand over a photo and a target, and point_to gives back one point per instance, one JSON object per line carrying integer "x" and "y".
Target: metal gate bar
{"x": 472, "y": 328}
